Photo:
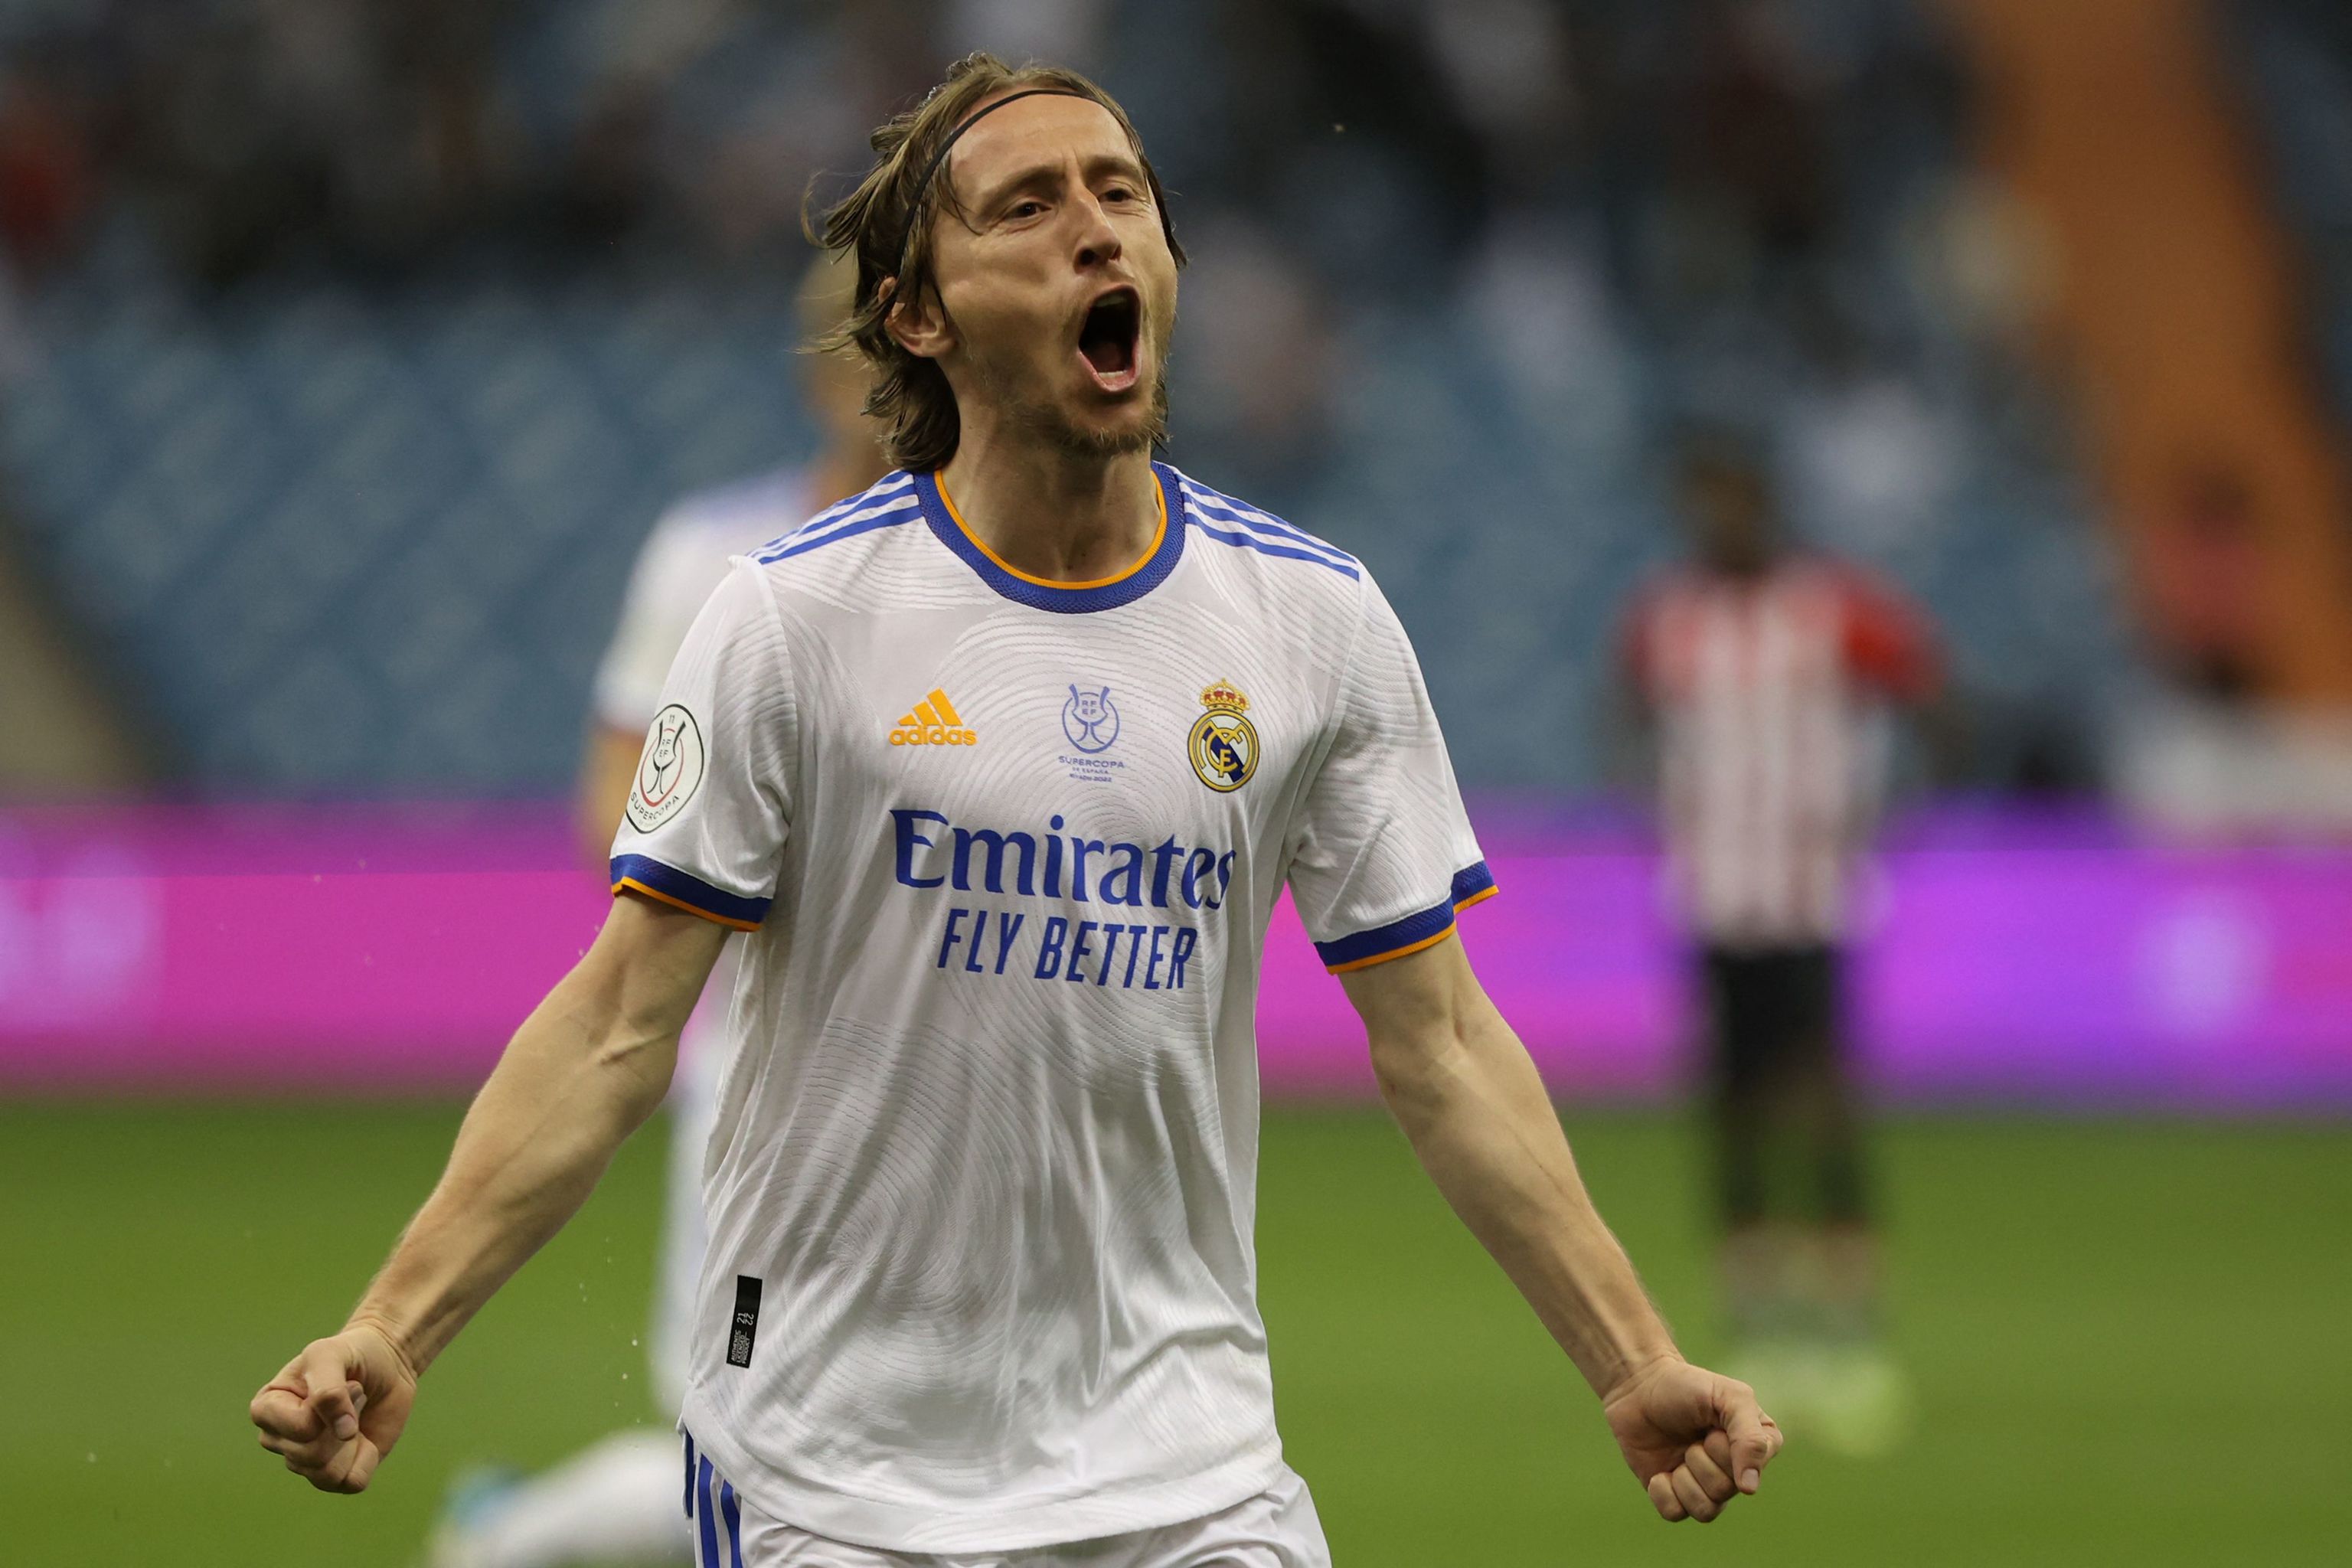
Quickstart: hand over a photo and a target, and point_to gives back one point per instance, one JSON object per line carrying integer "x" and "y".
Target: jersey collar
{"x": 1064, "y": 598}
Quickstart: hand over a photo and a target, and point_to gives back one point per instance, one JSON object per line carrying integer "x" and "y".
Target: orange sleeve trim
{"x": 1409, "y": 947}
{"x": 630, "y": 884}
{"x": 1480, "y": 897}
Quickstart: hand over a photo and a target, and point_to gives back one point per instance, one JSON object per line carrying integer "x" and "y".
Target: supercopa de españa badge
{"x": 670, "y": 771}
{"x": 1224, "y": 743}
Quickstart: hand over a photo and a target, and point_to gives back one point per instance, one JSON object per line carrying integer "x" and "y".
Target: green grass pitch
{"x": 2132, "y": 1343}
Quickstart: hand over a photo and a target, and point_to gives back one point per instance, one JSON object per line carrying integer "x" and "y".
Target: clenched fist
{"x": 1693, "y": 1437}
{"x": 337, "y": 1408}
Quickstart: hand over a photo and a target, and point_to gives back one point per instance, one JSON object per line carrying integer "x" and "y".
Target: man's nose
{"x": 1097, "y": 240}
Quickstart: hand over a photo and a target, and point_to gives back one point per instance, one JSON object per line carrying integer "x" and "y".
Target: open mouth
{"x": 1107, "y": 338}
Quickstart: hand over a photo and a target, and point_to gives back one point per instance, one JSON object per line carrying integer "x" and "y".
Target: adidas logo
{"x": 934, "y": 722}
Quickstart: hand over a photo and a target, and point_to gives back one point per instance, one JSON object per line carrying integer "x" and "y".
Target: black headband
{"x": 915, "y": 200}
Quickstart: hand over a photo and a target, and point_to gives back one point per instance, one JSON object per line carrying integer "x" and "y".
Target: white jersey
{"x": 982, "y": 1188}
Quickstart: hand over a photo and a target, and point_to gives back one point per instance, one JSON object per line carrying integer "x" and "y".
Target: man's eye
{"x": 1120, "y": 194}
{"x": 1026, "y": 209}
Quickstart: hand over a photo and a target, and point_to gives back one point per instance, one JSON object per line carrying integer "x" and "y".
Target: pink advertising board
{"x": 280, "y": 948}
{"x": 371, "y": 950}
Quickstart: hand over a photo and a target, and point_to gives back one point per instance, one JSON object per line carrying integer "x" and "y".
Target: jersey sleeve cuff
{"x": 683, "y": 891}
{"x": 1425, "y": 928}
{"x": 1474, "y": 884}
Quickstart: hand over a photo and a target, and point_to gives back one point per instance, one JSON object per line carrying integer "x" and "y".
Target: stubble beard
{"x": 1049, "y": 422}
{"x": 1052, "y": 424}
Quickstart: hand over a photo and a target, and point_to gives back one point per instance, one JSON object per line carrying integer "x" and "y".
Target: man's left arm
{"x": 1462, "y": 1087}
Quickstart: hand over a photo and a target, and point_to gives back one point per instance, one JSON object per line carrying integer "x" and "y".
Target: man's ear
{"x": 918, "y": 323}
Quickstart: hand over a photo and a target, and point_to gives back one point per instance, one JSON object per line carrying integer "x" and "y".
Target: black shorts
{"x": 1778, "y": 1037}
{"x": 1771, "y": 1011}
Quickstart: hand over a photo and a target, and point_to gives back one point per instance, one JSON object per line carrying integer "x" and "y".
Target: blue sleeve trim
{"x": 1413, "y": 931}
{"x": 1472, "y": 883}
{"x": 673, "y": 886}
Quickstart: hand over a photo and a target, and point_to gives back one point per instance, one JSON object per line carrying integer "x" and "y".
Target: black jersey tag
{"x": 747, "y": 1320}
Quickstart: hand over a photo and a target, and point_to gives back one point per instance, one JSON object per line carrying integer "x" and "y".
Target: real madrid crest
{"x": 1224, "y": 743}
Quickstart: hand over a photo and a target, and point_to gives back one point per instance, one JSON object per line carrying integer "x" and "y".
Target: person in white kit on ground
{"x": 980, "y": 1278}
{"x": 619, "y": 1499}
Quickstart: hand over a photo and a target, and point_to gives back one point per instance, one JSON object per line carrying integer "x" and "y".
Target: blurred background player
{"x": 619, "y": 1499}
{"x": 1766, "y": 673}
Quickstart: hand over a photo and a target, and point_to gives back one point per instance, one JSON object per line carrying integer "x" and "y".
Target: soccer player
{"x": 619, "y": 1499}
{"x": 980, "y": 1275}
{"x": 1768, "y": 673}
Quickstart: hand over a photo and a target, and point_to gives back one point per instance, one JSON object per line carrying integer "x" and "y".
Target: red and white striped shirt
{"x": 1769, "y": 694}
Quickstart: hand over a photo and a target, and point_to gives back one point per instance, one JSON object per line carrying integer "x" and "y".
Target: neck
{"x": 1066, "y": 516}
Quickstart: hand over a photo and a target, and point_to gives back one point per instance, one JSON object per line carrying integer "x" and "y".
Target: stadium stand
{"x": 360, "y": 529}
{"x": 2294, "y": 59}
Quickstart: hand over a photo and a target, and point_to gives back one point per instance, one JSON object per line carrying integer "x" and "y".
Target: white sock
{"x": 625, "y": 1499}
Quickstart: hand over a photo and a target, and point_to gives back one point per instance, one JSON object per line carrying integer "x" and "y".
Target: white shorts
{"x": 1276, "y": 1529}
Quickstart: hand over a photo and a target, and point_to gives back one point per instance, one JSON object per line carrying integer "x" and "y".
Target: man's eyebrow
{"x": 1114, "y": 164}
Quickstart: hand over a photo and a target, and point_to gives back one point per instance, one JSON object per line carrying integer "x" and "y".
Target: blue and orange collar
{"x": 1064, "y": 598}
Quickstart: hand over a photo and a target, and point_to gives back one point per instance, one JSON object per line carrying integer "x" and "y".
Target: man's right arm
{"x": 587, "y": 1067}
